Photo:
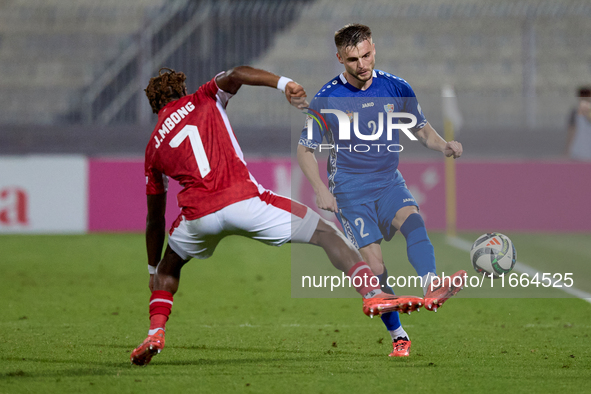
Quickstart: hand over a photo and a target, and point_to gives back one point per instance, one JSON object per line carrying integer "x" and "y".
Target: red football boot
{"x": 384, "y": 303}
{"x": 401, "y": 348}
{"x": 151, "y": 346}
{"x": 436, "y": 296}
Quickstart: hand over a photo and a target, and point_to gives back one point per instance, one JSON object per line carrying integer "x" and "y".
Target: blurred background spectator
{"x": 578, "y": 139}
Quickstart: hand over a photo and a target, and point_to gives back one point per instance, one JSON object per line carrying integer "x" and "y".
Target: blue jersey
{"x": 363, "y": 155}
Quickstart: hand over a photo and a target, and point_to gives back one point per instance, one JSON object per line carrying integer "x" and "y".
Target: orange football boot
{"x": 401, "y": 348}
{"x": 384, "y": 303}
{"x": 151, "y": 346}
{"x": 436, "y": 296}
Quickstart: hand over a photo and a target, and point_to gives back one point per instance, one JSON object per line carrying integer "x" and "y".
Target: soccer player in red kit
{"x": 194, "y": 144}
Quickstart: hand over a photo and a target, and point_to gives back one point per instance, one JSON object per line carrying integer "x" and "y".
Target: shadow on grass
{"x": 103, "y": 368}
{"x": 58, "y": 361}
{"x": 236, "y": 349}
{"x": 20, "y": 374}
{"x": 126, "y": 369}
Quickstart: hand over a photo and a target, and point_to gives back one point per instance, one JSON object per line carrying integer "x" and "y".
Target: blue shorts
{"x": 368, "y": 223}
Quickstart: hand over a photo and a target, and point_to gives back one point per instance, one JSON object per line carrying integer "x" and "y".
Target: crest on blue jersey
{"x": 389, "y": 107}
{"x": 350, "y": 115}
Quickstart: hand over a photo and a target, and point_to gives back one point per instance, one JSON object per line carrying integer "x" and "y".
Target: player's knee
{"x": 324, "y": 231}
{"x": 414, "y": 229}
{"x": 328, "y": 235}
{"x": 403, "y": 214}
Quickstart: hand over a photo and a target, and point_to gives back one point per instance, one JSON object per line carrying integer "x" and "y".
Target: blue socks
{"x": 422, "y": 257}
{"x": 418, "y": 246}
{"x": 390, "y": 319}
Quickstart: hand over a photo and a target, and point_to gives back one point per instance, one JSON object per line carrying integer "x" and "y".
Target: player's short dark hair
{"x": 167, "y": 86}
{"x": 584, "y": 91}
{"x": 351, "y": 35}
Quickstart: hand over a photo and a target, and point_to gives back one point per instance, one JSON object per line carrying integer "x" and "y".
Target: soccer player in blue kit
{"x": 366, "y": 191}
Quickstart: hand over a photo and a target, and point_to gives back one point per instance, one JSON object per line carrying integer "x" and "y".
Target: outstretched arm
{"x": 432, "y": 140}
{"x": 155, "y": 230}
{"x": 307, "y": 161}
{"x": 231, "y": 80}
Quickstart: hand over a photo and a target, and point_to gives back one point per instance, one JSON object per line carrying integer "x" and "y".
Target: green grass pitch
{"x": 73, "y": 307}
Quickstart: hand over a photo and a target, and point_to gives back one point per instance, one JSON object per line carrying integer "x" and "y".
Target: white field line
{"x": 523, "y": 268}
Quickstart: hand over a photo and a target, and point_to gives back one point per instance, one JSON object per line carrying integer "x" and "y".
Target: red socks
{"x": 160, "y": 307}
{"x": 364, "y": 281}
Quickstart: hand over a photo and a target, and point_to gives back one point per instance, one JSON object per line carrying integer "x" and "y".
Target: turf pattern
{"x": 73, "y": 307}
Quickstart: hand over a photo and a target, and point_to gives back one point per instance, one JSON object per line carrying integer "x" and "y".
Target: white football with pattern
{"x": 493, "y": 254}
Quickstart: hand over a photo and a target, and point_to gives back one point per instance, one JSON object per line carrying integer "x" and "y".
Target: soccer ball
{"x": 493, "y": 254}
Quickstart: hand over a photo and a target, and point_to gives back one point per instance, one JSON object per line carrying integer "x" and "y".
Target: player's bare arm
{"x": 432, "y": 140}
{"x": 232, "y": 80}
{"x": 155, "y": 230}
{"x": 307, "y": 161}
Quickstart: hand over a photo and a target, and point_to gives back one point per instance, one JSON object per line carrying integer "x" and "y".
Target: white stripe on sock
{"x": 359, "y": 269}
{"x": 160, "y": 300}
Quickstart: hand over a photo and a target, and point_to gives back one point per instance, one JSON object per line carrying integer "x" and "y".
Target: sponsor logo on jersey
{"x": 367, "y": 105}
{"x": 408, "y": 200}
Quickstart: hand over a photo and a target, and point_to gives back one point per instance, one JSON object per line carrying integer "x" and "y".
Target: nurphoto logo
{"x": 344, "y": 133}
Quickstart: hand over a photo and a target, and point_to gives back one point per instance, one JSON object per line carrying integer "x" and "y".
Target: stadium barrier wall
{"x": 41, "y": 194}
{"x": 64, "y": 194}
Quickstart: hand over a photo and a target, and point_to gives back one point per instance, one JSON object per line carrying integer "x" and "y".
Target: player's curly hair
{"x": 351, "y": 35}
{"x": 167, "y": 86}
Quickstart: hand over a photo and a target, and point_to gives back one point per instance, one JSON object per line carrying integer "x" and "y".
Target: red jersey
{"x": 194, "y": 144}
